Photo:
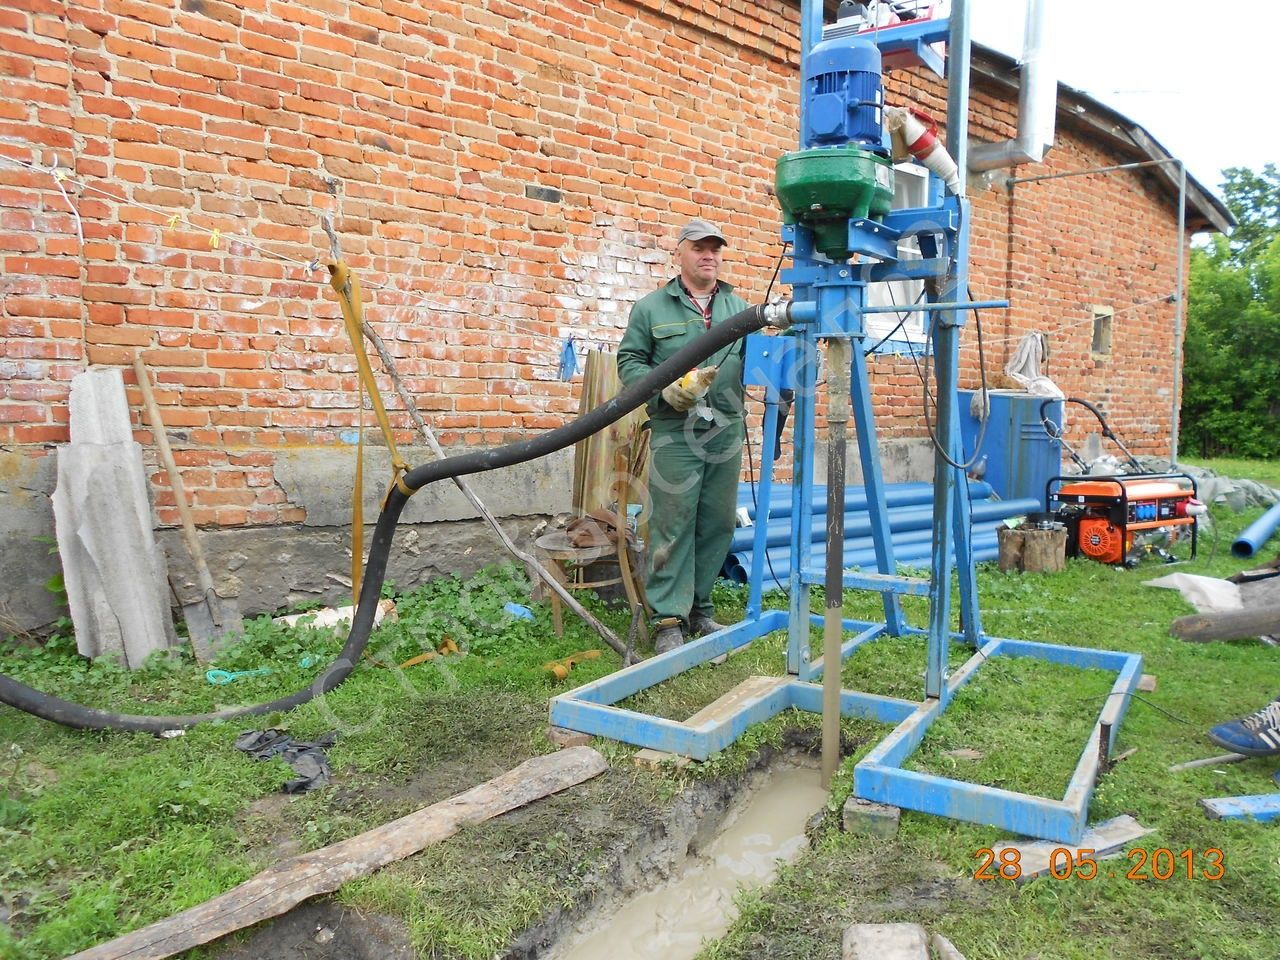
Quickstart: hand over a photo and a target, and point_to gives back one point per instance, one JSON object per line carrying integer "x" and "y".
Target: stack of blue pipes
{"x": 910, "y": 525}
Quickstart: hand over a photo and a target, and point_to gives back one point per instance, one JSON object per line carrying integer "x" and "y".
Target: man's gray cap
{"x": 698, "y": 229}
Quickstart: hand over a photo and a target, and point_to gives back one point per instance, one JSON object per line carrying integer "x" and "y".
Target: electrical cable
{"x": 52, "y": 708}
{"x": 751, "y": 473}
{"x": 928, "y": 396}
{"x": 751, "y": 476}
{"x": 901, "y": 323}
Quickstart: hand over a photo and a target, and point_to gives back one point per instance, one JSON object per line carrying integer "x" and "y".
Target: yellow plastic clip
{"x": 173, "y": 221}
{"x": 58, "y": 174}
{"x": 215, "y": 238}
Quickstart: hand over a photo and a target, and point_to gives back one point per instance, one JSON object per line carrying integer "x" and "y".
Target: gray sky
{"x": 1199, "y": 76}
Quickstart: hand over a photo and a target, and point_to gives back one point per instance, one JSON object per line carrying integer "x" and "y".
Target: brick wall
{"x": 501, "y": 173}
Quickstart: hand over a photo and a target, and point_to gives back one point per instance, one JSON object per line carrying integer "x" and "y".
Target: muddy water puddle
{"x": 672, "y": 922}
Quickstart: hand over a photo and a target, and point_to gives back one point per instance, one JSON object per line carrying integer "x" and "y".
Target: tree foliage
{"x": 1231, "y": 359}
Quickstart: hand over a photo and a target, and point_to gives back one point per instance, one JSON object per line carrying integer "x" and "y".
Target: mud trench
{"x": 664, "y": 885}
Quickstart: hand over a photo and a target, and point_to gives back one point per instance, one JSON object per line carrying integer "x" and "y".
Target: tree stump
{"x": 1031, "y": 550}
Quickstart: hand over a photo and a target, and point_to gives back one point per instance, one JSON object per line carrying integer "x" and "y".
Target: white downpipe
{"x": 1037, "y": 102}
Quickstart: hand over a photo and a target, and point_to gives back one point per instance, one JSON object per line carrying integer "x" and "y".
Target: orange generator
{"x": 1121, "y": 519}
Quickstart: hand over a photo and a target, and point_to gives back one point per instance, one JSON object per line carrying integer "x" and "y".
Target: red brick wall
{"x": 433, "y": 135}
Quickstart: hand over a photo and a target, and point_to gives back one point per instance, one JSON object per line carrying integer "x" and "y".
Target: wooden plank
{"x": 283, "y": 886}
{"x": 722, "y": 708}
{"x": 728, "y": 704}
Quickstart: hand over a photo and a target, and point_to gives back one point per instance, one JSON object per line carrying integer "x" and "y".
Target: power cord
{"x": 928, "y": 395}
{"x": 751, "y": 474}
{"x": 751, "y": 471}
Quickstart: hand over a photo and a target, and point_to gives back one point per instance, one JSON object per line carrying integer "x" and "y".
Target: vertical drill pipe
{"x": 833, "y": 628}
{"x": 1179, "y": 315}
{"x": 958, "y": 57}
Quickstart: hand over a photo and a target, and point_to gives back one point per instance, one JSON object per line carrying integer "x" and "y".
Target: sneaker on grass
{"x": 1257, "y": 735}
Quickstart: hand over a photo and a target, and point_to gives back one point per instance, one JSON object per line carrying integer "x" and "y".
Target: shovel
{"x": 211, "y": 617}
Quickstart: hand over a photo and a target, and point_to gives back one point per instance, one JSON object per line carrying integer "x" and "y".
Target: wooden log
{"x": 1230, "y": 625}
{"x": 1030, "y": 550}
{"x": 284, "y": 885}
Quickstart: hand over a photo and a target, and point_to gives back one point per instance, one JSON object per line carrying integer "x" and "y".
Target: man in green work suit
{"x": 696, "y": 441}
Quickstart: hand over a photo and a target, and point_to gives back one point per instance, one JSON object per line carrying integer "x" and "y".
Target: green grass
{"x": 104, "y": 832}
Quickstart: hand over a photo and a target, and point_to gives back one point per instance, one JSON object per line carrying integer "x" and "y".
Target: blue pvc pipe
{"x": 985, "y": 547}
{"x": 1257, "y": 533}
{"x": 855, "y": 498}
{"x": 858, "y": 551}
{"x": 858, "y": 523}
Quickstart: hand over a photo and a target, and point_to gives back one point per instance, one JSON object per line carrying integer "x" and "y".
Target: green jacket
{"x": 662, "y": 323}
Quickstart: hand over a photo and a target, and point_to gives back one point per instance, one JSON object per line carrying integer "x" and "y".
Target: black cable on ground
{"x": 48, "y": 707}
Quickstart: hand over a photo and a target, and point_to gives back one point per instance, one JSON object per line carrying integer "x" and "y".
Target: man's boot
{"x": 700, "y": 624}
{"x": 669, "y": 635}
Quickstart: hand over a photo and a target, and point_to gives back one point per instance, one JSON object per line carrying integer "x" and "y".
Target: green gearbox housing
{"x": 826, "y": 187}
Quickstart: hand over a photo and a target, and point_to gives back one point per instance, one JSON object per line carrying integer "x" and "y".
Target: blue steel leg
{"x": 768, "y": 445}
{"x": 872, "y": 476}
{"x": 946, "y": 478}
{"x": 963, "y": 530}
{"x": 802, "y": 500}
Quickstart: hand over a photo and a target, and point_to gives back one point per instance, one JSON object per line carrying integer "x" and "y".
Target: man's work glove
{"x": 678, "y": 397}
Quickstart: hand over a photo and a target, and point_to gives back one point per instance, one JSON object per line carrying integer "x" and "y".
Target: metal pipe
{"x": 1179, "y": 315}
{"x": 1037, "y": 103}
{"x": 838, "y": 385}
{"x": 1011, "y": 181}
{"x": 958, "y": 57}
{"x": 933, "y": 307}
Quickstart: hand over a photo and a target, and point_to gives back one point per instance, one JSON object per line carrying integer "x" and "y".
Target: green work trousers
{"x": 693, "y": 488}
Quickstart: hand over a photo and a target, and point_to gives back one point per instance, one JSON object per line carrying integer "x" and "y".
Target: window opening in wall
{"x": 1102, "y": 317}
{"x": 910, "y": 190}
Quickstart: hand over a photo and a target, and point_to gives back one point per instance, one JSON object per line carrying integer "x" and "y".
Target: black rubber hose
{"x": 70, "y": 714}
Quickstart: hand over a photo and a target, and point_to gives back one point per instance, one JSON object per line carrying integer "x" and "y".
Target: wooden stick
{"x": 198, "y": 645}
{"x": 283, "y": 886}
{"x": 1208, "y": 762}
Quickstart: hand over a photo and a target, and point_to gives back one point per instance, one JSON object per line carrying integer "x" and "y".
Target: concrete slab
{"x": 943, "y": 949}
{"x": 885, "y": 941}
{"x": 1107, "y": 839}
{"x": 866, "y": 818}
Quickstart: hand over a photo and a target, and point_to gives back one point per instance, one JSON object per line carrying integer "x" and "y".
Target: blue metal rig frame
{"x": 833, "y": 295}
